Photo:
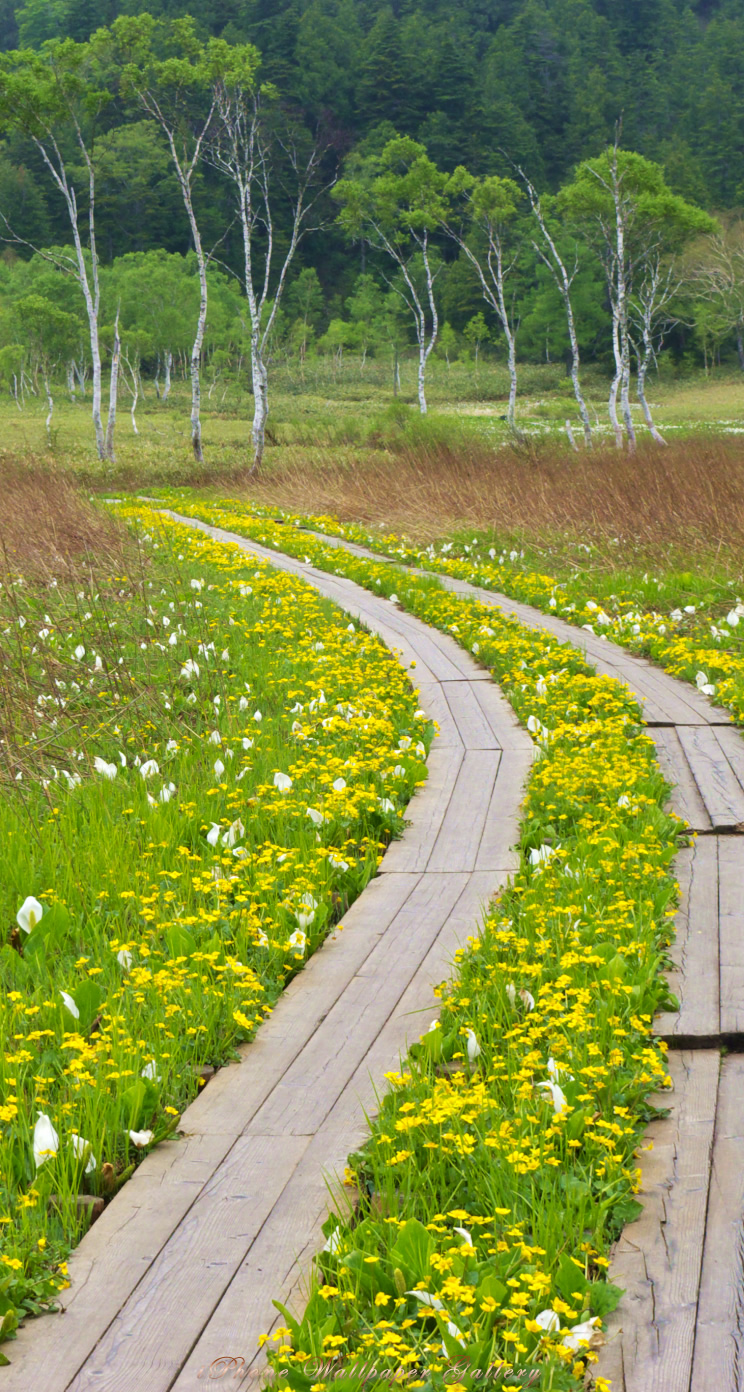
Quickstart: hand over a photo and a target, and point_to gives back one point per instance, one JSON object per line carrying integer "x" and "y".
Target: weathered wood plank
{"x": 432, "y": 699}
{"x": 719, "y": 788}
{"x": 151, "y": 1336}
{"x": 501, "y": 717}
{"x": 731, "y": 930}
{"x": 732, "y": 744}
{"x": 301, "y": 1100}
{"x": 695, "y": 950}
{"x": 461, "y": 833}
{"x": 658, "y": 1258}
{"x": 719, "y": 1337}
{"x": 426, "y": 813}
{"x": 685, "y": 799}
{"x": 277, "y": 1262}
{"x": 498, "y": 844}
{"x": 474, "y": 728}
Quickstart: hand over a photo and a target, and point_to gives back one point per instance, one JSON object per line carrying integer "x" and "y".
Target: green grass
{"x": 202, "y": 764}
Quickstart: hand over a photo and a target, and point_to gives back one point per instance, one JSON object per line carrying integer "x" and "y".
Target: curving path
{"x": 183, "y": 1265}
{"x": 680, "y": 1324}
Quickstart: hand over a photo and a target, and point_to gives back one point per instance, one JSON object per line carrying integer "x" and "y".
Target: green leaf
{"x": 412, "y": 1251}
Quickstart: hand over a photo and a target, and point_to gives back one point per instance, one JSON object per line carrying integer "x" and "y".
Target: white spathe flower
{"x": 549, "y": 1321}
{"x": 386, "y": 805}
{"x": 297, "y": 941}
{"x": 140, "y": 1139}
{"x": 29, "y": 914}
{"x": 623, "y": 800}
{"x": 70, "y": 1005}
{"x": 333, "y": 1242}
{"x": 80, "y": 1146}
{"x": 243, "y": 703}
{"x": 150, "y": 1071}
{"x": 213, "y": 835}
{"x": 124, "y": 958}
{"x": 339, "y": 784}
{"x": 586, "y": 1332}
{"x": 233, "y": 834}
{"x": 247, "y": 743}
{"x": 316, "y": 817}
{"x": 702, "y": 683}
{"x": 732, "y": 618}
{"x": 122, "y": 758}
{"x": 427, "y": 1299}
{"x": 305, "y": 920}
{"x": 149, "y": 768}
{"x": 108, "y": 770}
{"x": 166, "y": 792}
{"x": 454, "y": 1333}
{"x": 257, "y": 716}
{"x": 80, "y": 652}
{"x": 542, "y": 855}
{"x": 215, "y": 737}
{"x": 283, "y": 782}
{"x": 219, "y": 767}
{"x": 557, "y": 1096}
{"x": 338, "y": 864}
{"x": 527, "y": 999}
{"x": 473, "y": 1047}
{"x": 399, "y": 771}
{"x": 190, "y": 668}
{"x": 46, "y": 1140}
{"x": 555, "y": 1070}
{"x": 465, "y": 1235}
{"x": 196, "y": 584}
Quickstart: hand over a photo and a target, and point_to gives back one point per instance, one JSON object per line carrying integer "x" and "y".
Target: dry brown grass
{"x": 689, "y": 494}
{"x": 48, "y": 526}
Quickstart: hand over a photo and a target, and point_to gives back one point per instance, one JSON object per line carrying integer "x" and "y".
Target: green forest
{"x": 533, "y": 181}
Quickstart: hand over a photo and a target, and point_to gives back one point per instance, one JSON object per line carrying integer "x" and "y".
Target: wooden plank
{"x": 685, "y": 798}
{"x": 501, "y": 717}
{"x": 731, "y": 930}
{"x": 151, "y": 1336}
{"x": 695, "y": 952}
{"x": 719, "y": 1337}
{"x": 458, "y": 842}
{"x": 732, "y": 745}
{"x": 277, "y": 1262}
{"x": 418, "y": 1005}
{"x": 425, "y": 813}
{"x": 432, "y": 699}
{"x": 300, "y": 1101}
{"x": 722, "y": 794}
{"x": 498, "y": 845}
{"x": 658, "y": 1258}
{"x": 473, "y": 726}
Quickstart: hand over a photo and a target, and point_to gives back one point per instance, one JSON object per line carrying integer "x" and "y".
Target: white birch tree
{"x": 483, "y": 234}
{"x": 563, "y": 279}
{"x": 54, "y": 97}
{"x": 396, "y": 202}
{"x": 625, "y": 208}
{"x": 167, "y": 69}
{"x": 262, "y": 155}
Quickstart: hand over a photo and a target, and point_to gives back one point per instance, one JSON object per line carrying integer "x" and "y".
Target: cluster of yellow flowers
{"x": 702, "y": 643}
{"x": 219, "y": 799}
{"x": 502, "y": 1163}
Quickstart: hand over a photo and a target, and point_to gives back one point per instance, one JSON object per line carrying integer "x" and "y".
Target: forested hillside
{"x": 325, "y": 176}
{"x": 544, "y": 80}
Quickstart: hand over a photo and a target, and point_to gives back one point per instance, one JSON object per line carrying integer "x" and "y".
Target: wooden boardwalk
{"x": 680, "y": 1324}
{"x": 182, "y": 1267}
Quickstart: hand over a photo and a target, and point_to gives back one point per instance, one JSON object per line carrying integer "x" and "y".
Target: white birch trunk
{"x": 260, "y": 408}
{"x": 71, "y": 379}
{"x": 615, "y": 385}
{"x": 167, "y": 375}
{"x": 113, "y": 392}
{"x": 50, "y": 404}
